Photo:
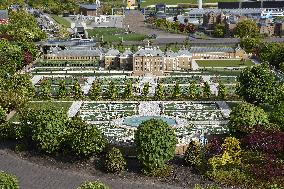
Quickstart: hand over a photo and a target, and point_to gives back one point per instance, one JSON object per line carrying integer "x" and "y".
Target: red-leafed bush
{"x": 265, "y": 141}
{"x": 269, "y": 169}
{"x": 181, "y": 27}
{"x": 28, "y": 58}
{"x": 214, "y": 147}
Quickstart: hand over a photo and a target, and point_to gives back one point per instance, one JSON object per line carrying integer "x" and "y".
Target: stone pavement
{"x": 33, "y": 176}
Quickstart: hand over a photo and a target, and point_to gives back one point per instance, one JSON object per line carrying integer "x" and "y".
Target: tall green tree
{"x": 128, "y": 91}
{"x": 176, "y": 92}
{"x": 159, "y": 92}
{"x": 145, "y": 90}
{"x": 96, "y": 91}
{"x": 45, "y": 89}
{"x": 247, "y": 29}
{"x": 62, "y": 91}
{"x": 222, "y": 90}
{"x": 112, "y": 91}
{"x": 78, "y": 93}
{"x": 250, "y": 45}
{"x": 257, "y": 84}
{"x": 206, "y": 90}
{"x": 192, "y": 91}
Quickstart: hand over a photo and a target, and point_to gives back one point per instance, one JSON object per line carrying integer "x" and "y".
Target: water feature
{"x": 135, "y": 121}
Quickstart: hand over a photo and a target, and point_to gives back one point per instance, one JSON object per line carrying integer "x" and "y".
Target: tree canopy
{"x": 257, "y": 84}
{"x": 247, "y": 28}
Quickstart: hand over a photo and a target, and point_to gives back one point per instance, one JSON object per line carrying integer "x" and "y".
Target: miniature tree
{"x": 62, "y": 91}
{"x": 145, "y": 90}
{"x": 78, "y": 93}
{"x": 128, "y": 91}
{"x": 155, "y": 143}
{"x": 222, "y": 90}
{"x": 45, "y": 90}
{"x": 176, "y": 92}
{"x": 112, "y": 91}
{"x": 192, "y": 91}
{"x": 95, "y": 91}
{"x": 115, "y": 162}
{"x": 159, "y": 92}
{"x": 206, "y": 90}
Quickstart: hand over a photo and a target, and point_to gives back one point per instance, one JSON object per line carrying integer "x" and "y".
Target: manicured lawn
{"x": 61, "y": 20}
{"x": 43, "y": 105}
{"x": 114, "y": 35}
{"x": 223, "y": 63}
{"x": 174, "y": 2}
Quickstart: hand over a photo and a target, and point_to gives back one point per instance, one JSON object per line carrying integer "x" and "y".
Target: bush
{"x": 264, "y": 141}
{"x": 213, "y": 148}
{"x": 193, "y": 154}
{"x": 93, "y": 185}
{"x": 232, "y": 176}
{"x": 115, "y": 162}
{"x": 8, "y": 181}
{"x": 46, "y": 128}
{"x": 2, "y": 115}
{"x": 7, "y": 131}
{"x": 155, "y": 143}
{"x": 85, "y": 139}
{"x": 245, "y": 117}
{"x": 230, "y": 157}
{"x": 276, "y": 115}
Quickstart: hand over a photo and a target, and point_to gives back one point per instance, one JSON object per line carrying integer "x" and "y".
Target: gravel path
{"x": 33, "y": 176}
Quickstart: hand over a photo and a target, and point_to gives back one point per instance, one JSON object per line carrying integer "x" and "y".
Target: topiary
{"x": 8, "y": 181}
{"x": 245, "y": 117}
{"x": 85, "y": 139}
{"x": 93, "y": 185}
{"x": 115, "y": 162}
{"x": 155, "y": 144}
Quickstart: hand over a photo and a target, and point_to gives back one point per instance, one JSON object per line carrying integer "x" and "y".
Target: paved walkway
{"x": 33, "y": 176}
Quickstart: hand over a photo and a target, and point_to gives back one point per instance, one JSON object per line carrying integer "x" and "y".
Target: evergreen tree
{"x": 145, "y": 90}
{"x": 62, "y": 91}
{"x": 176, "y": 93}
{"x": 128, "y": 91}
{"x": 206, "y": 90}
{"x": 159, "y": 92}
{"x": 112, "y": 91}
{"x": 45, "y": 89}
{"x": 222, "y": 90}
{"x": 95, "y": 91}
{"x": 78, "y": 93}
{"x": 192, "y": 90}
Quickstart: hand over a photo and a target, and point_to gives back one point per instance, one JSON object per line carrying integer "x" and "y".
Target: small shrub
{"x": 276, "y": 115}
{"x": 20, "y": 147}
{"x": 232, "y": 176}
{"x": 264, "y": 141}
{"x": 155, "y": 143}
{"x": 85, "y": 139}
{"x": 115, "y": 162}
{"x": 8, "y": 181}
{"x": 213, "y": 148}
{"x": 93, "y": 185}
{"x": 193, "y": 154}
{"x": 230, "y": 157}
{"x": 2, "y": 115}
{"x": 245, "y": 117}
{"x": 7, "y": 131}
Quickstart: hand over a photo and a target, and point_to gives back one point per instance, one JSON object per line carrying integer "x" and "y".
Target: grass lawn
{"x": 223, "y": 63}
{"x": 43, "y": 105}
{"x": 174, "y": 2}
{"x": 61, "y": 20}
{"x": 114, "y": 35}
